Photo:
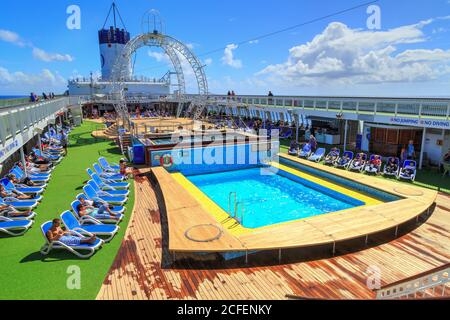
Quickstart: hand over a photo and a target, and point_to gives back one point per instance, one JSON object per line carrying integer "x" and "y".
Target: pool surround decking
{"x": 185, "y": 213}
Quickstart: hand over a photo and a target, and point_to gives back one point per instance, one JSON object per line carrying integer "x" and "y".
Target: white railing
{"x": 438, "y": 108}
{"x": 432, "y": 284}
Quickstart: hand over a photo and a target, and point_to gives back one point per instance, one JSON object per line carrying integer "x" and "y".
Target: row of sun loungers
{"x": 359, "y": 162}
{"x": 22, "y": 198}
{"x": 105, "y": 187}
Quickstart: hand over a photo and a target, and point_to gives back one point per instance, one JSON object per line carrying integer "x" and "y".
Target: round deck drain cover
{"x": 203, "y": 233}
{"x": 408, "y": 191}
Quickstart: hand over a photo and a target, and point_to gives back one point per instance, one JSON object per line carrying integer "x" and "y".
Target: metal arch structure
{"x": 174, "y": 49}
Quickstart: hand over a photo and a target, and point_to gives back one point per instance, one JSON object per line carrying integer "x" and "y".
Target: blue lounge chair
{"x": 14, "y": 227}
{"x": 332, "y": 157}
{"x": 48, "y": 157}
{"x": 36, "y": 175}
{"x": 98, "y": 229}
{"x": 286, "y": 135}
{"x": 408, "y": 166}
{"x": 26, "y": 190}
{"x": 20, "y": 205}
{"x": 110, "y": 192}
{"x": 107, "y": 166}
{"x": 92, "y": 195}
{"x": 109, "y": 184}
{"x": 36, "y": 179}
{"x": 396, "y": 172}
{"x": 91, "y": 220}
{"x": 306, "y": 151}
{"x": 110, "y": 176}
{"x": 115, "y": 209}
{"x": 76, "y": 250}
{"x": 318, "y": 155}
{"x": 344, "y": 164}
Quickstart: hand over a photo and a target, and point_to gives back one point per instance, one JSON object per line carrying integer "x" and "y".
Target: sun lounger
{"x": 115, "y": 209}
{"x": 318, "y": 155}
{"x": 110, "y": 192}
{"x": 98, "y": 229}
{"x": 92, "y": 195}
{"x": 14, "y": 227}
{"x": 77, "y": 250}
{"x": 408, "y": 166}
{"x": 91, "y": 220}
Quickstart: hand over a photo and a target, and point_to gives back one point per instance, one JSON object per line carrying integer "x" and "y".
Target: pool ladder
{"x": 233, "y": 208}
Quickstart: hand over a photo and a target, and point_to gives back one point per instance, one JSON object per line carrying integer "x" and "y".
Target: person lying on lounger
{"x": 374, "y": 164}
{"x": 392, "y": 166}
{"x": 332, "y": 156}
{"x": 359, "y": 161}
{"x": 26, "y": 182}
{"x": 56, "y": 233}
{"x": 408, "y": 171}
{"x": 13, "y": 194}
{"x": 9, "y": 211}
{"x": 104, "y": 212}
{"x": 343, "y": 161}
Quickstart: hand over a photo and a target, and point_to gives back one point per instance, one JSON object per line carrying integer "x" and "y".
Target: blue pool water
{"x": 271, "y": 199}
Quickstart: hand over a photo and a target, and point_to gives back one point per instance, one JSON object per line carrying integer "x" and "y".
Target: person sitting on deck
{"x": 332, "y": 156}
{"x": 56, "y": 233}
{"x": 391, "y": 166}
{"x": 9, "y": 211}
{"x": 12, "y": 194}
{"x": 104, "y": 212}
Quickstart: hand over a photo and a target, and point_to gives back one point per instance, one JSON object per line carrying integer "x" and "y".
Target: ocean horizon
{"x": 11, "y": 97}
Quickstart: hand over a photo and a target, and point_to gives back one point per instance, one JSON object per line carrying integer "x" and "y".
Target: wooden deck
{"x": 185, "y": 213}
{"x": 142, "y": 268}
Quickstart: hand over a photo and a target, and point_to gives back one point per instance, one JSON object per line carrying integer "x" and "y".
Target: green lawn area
{"x": 24, "y": 272}
{"x": 425, "y": 178}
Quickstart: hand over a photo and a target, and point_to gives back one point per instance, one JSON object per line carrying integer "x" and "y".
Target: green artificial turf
{"x": 24, "y": 272}
{"x": 427, "y": 178}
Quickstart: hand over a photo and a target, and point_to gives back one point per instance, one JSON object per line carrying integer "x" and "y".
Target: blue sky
{"x": 409, "y": 56}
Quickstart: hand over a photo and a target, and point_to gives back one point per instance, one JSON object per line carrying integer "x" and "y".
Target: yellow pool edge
{"x": 237, "y": 229}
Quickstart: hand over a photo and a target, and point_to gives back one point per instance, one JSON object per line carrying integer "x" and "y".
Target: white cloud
{"x": 49, "y": 57}
{"x": 253, "y": 42}
{"x": 11, "y": 37}
{"x": 228, "y": 57}
{"x": 208, "y": 61}
{"x": 20, "y": 82}
{"x": 353, "y": 56}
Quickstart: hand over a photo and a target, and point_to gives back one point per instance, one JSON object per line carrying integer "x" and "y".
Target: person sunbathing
{"x": 359, "y": 161}
{"x": 408, "y": 171}
{"x": 332, "y": 156}
{"x": 306, "y": 150}
{"x": 392, "y": 166}
{"x": 343, "y": 161}
{"x": 374, "y": 164}
{"x": 9, "y": 211}
{"x": 13, "y": 194}
{"x": 25, "y": 182}
{"x": 104, "y": 212}
{"x": 124, "y": 169}
{"x": 56, "y": 233}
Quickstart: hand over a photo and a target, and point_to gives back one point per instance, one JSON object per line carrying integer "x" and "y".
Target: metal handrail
{"x": 417, "y": 284}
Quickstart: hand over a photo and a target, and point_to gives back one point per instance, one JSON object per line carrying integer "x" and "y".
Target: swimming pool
{"x": 264, "y": 200}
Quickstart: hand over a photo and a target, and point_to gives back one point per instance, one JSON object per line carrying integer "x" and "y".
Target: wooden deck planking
{"x": 137, "y": 272}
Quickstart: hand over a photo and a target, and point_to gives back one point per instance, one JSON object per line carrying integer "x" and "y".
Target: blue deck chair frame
{"x": 91, "y": 220}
